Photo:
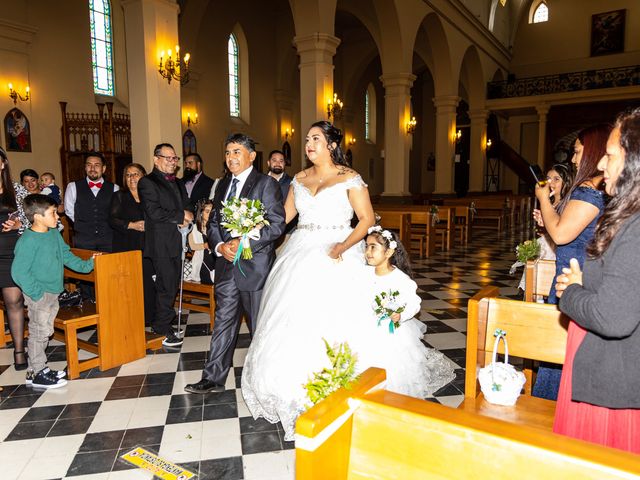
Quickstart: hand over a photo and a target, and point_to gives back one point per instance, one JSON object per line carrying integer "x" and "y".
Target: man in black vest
{"x": 197, "y": 184}
{"x": 164, "y": 202}
{"x": 87, "y": 203}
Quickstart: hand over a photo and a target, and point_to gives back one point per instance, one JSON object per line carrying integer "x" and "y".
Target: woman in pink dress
{"x": 599, "y": 398}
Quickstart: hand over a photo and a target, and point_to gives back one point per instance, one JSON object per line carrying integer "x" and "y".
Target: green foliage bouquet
{"x": 386, "y": 304}
{"x": 341, "y": 373}
{"x": 528, "y": 250}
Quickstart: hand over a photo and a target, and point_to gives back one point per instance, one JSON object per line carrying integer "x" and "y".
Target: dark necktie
{"x": 232, "y": 190}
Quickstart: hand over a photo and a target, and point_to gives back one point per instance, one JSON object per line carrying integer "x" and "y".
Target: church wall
{"x": 57, "y": 67}
{"x": 563, "y": 43}
{"x": 208, "y": 91}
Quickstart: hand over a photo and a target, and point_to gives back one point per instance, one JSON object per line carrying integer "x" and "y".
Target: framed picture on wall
{"x": 189, "y": 143}
{"x": 607, "y": 32}
{"x": 17, "y": 131}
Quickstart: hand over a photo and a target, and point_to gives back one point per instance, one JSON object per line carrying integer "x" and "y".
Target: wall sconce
{"x": 411, "y": 126}
{"x": 191, "y": 122}
{"x": 488, "y": 143}
{"x": 458, "y": 136}
{"x": 288, "y": 133}
{"x": 334, "y": 107}
{"x": 15, "y": 95}
{"x": 174, "y": 69}
{"x": 351, "y": 142}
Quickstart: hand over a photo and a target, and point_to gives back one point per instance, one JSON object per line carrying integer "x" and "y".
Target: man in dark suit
{"x": 197, "y": 184}
{"x": 234, "y": 289}
{"x": 276, "y": 165}
{"x": 164, "y": 202}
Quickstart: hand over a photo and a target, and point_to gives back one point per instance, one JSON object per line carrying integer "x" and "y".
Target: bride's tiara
{"x": 386, "y": 234}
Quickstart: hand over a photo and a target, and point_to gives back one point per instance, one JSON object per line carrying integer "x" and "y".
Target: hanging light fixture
{"x": 334, "y": 107}
{"x": 177, "y": 69}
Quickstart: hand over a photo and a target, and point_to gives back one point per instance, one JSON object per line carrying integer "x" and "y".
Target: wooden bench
{"x": 535, "y": 331}
{"x": 399, "y": 221}
{"x": 422, "y": 229}
{"x": 368, "y": 432}
{"x": 117, "y": 315}
{"x": 538, "y": 278}
{"x": 199, "y": 297}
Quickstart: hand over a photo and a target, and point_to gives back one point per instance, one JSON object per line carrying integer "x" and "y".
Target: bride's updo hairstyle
{"x": 332, "y": 135}
{"x": 389, "y": 239}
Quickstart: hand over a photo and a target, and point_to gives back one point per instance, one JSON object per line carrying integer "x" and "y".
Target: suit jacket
{"x": 285, "y": 182}
{"x": 163, "y": 203}
{"x": 256, "y": 270}
{"x": 201, "y": 189}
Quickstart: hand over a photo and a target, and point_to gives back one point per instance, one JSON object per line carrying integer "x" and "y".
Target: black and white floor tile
{"x": 80, "y": 431}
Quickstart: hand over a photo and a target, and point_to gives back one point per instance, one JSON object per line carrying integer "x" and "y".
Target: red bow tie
{"x": 96, "y": 184}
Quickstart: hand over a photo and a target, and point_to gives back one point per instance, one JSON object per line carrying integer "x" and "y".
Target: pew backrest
{"x": 538, "y": 278}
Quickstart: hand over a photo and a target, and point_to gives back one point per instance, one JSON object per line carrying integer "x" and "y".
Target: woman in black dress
{"x": 127, "y": 220}
{"x": 13, "y": 223}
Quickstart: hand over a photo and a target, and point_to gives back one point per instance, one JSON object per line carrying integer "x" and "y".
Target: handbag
{"x": 70, "y": 299}
{"x": 500, "y": 382}
{"x": 188, "y": 270}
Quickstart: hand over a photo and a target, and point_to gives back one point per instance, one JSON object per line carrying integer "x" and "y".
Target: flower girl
{"x": 412, "y": 369}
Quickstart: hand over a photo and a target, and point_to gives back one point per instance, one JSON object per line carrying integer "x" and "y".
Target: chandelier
{"x": 177, "y": 69}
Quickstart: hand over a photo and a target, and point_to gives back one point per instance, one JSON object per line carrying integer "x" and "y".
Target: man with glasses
{"x": 165, "y": 204}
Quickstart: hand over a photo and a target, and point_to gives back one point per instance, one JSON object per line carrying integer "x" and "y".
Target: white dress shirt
{"x": 242, "y": 178}
{"x": 70, "y": 195}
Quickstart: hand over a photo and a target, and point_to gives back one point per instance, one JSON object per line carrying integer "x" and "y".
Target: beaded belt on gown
{"x": 315, "y": 226}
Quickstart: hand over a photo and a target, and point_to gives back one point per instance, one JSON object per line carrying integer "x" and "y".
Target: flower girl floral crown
{"x": 386, "y": 234}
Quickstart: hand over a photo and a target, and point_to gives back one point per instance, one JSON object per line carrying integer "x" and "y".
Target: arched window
{"x": 234, "y": 76}
{"x": 370, "y": 114}
{"x": 539, "y": 12}
{"x": 101, "y": 47}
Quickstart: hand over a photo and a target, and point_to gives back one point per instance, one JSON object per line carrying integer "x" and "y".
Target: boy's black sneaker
{"x": 171, "y": 340}
{"x": 52, "y": 373}
{"x": 47, "y": 378}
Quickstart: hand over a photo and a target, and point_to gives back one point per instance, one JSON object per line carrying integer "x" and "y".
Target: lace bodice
{"x": 329, "y": 207}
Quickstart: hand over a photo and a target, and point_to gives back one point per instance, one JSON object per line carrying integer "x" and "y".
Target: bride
{"x": 313, "y": 290}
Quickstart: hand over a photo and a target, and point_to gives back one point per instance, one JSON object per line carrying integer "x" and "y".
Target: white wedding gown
{"x": 309, "y": 297}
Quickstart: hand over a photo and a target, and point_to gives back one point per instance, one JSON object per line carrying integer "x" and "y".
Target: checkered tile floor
{"x": 80, "y": 430}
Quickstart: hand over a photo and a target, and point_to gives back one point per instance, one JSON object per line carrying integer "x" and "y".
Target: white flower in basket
{"x": 500, "y": 382}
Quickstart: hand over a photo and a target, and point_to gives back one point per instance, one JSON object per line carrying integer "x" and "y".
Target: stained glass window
{"x": 234, "y": 77}
{"x": 101, "y": 47}
{"x": 541, "y": 14}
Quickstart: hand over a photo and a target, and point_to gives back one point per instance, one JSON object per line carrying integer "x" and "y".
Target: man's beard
{"x": 188, "y": 174}
{"x": 276, "y": 170}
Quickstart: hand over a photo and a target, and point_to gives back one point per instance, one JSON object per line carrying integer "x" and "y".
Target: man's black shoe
{"x": 204, "y": 386}
{"x": 171, "y": 340}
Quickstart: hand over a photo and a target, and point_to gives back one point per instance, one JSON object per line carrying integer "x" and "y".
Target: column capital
{"x": 478, "y": 115}
{"x": 543, "y": 109}
{"x": 317, "y": 47}
{"x": 390, "y": 80}
{"x": 446, "y": 102}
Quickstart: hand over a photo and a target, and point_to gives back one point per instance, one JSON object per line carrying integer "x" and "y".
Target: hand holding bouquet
{"x": 243, "y": 218}
{"x": 387, "y": 307}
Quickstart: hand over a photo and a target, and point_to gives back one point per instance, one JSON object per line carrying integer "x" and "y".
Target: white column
{"x": 316, "y": 76}
{"x": 542, "y": 110}
{"x": 397, "y": 143}
{"x": 151, "y": 26}
{"x": 445, "y": 144}
{"x": 477, "y": 162}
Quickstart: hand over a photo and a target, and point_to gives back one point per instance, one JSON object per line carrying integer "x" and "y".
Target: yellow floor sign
{"x": 160, "y": 468}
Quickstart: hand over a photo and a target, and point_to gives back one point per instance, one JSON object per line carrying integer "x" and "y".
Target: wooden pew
{"x": 538, "y": 278}
{"x": 118, "y": 314}
{"x": 422, "y": 228}
{"x": 368, "y": 432}
{"x": 199, "y": 297}
{"x": 399, "y": 221}
{"x": 535, "y": 331}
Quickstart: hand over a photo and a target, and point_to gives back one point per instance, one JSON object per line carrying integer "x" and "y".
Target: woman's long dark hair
{"x": 400, "y": 257}
{"x": 332, "y": 135}
{"x": 202, "y": 204}
{"x": 626, "y": 199}
{"x": 594, "y": 141}
{"x": 8, "y": 197}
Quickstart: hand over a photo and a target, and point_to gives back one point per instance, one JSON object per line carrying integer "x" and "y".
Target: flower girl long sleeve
{"x": 408, "y": 295}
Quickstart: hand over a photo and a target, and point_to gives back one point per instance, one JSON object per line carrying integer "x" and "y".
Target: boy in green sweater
{"x": 38, "y": 269}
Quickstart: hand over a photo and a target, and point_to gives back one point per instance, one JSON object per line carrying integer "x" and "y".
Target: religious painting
{"x": 17, "y": 131}
{"x": 286, "y": 150}
{"x": 607, "y": 32}
{"x": 189, "y": 144}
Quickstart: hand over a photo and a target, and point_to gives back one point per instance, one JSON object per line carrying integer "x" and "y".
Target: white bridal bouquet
{"x": 243, "y": 217}
{"x": 385, "y": 305}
